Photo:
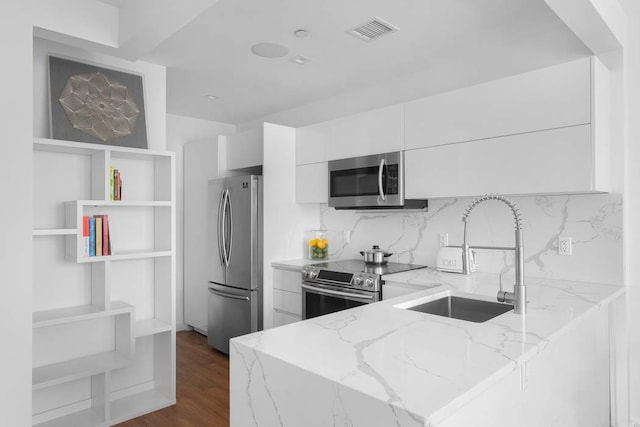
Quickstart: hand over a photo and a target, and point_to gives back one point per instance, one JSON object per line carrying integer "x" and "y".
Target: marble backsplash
{"x": 593, "y": 221}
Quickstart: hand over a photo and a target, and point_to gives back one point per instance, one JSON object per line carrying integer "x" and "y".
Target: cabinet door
{"x": 290, "y": 302}
{"x": 287, "y": 280}
{"x": 311, "y": 143}
{"x": 244, "y": 149}
{"x": 199, "y": 167}
{"x": 312, "y": 183}
{"x": 553, "y": 161}
{"x": 548, "y": 98}
{"x": 372, "y": 132}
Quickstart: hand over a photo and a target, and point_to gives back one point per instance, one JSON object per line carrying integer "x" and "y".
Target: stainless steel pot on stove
{"x": 375, "y": 256}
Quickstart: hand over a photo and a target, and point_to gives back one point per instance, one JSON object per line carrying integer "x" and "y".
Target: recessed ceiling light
{"x": 301, "y": 34}
{"x": 269, "y": 50}
{"x": 212, "y": 97}
{"x": 300, "y": 60}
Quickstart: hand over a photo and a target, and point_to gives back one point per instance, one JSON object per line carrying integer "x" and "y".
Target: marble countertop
{"x": 297, "y": 264}
{"x": 423, "y": 365}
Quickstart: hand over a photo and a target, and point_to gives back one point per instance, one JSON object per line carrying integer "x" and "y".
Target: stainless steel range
{"x": 338, "y": 285}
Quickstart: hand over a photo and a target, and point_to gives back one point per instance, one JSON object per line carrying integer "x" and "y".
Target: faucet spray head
{"x": 514, "y": 208}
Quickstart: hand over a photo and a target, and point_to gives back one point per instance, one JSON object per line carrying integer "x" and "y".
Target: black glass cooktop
{"x": 359, "y": 266}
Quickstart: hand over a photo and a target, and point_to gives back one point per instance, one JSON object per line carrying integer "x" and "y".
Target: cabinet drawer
{"x": 287, "y": 301}
{"x": 287, "y": 280}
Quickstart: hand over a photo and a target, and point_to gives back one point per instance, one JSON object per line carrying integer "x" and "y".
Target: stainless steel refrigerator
{"x": 235, "y": 259}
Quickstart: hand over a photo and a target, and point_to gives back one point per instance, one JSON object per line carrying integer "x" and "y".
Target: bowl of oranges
{"x": 318, "y": 245}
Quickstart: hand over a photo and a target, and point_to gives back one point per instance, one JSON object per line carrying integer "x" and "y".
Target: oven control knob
{"x": 357, "y": 281}
{"x": 308, "y": 274}
{"x": 368, "y": 282}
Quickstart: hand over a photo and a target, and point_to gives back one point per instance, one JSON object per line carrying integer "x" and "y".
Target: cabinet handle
{"x": 226, "y": 295}
{"x": 230, "y": 207}
{"x": 335, "y": 293}
{"x": 221, "y": 243}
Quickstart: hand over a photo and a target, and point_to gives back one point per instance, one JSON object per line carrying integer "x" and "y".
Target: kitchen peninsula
{"x": 381, "y": 365}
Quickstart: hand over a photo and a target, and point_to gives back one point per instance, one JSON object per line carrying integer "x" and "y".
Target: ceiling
{"x": 441, "y": 45}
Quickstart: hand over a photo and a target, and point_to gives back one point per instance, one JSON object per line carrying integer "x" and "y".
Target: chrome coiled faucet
{"x": 519, "y": 296}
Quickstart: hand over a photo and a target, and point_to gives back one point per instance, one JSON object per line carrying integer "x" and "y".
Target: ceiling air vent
{"x": 372, "y": 30}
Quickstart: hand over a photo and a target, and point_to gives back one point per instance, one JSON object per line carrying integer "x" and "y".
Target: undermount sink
{"x": 458, "y": 307}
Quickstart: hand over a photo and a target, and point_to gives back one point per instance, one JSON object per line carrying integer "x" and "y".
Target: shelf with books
{"x": 96, "y": 219}
{"x": 92, "y": 346}
{"x": 125, "y": 255}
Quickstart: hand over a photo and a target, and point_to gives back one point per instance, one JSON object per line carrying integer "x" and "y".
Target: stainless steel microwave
{"x": 370, "y": 182}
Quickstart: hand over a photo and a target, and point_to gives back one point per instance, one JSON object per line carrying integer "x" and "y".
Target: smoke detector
{"x": 372, "y": 30}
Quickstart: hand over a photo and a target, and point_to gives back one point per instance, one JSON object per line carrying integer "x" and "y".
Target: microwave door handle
{"x": 383, "y": 196}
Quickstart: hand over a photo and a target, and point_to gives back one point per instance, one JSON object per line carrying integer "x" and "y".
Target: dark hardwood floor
{"x": 202, "y": 387}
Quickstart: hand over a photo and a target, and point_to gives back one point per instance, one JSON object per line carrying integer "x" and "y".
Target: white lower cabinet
{"x": 552, "y": 161}
{"x": 312, "y": 183}
{"x": 287, "y": 297}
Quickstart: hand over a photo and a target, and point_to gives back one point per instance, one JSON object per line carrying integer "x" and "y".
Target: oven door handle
{"x": 336, "y": 293}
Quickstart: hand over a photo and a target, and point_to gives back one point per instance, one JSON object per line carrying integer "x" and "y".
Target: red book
{"x": 105, "y": 235}
{"x": 85, "y": 234}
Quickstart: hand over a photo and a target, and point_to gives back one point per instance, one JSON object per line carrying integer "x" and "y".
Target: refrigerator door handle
{"x": 230, "y": 206}
{"x": 221, "y": 221}
{"x": 226, "y": 295}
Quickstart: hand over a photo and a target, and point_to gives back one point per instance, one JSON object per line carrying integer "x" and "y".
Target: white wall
{"x": 154, "y": 82}
{"x": 182, "y": 130}
{"x": 15, "y": 214}
{"x": 632, "y": 207}
{"x": 284, "y": 220}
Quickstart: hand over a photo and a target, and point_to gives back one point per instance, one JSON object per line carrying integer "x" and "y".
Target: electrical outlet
{"x": 346, "y": 236}
{"x": 443, "y": 239}
{"x": 564, "y": 246}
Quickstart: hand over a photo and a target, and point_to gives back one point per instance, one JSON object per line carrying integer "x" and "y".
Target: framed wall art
{"x": 96, "y": 105}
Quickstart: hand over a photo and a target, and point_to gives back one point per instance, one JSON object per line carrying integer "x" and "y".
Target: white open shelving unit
{"x": 103, "y": 327}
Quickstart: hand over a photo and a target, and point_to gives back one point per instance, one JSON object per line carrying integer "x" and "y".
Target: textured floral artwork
{"x": 93, "y": 104}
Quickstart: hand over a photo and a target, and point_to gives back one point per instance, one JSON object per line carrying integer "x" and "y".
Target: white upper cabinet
{"x": 371, "y": 132}
{"x": 312, "y": 183}
{"x": 541, "y": 132}
{"x": 551, "y": 161}
{"x": 311, "y": 143}
{"x": 548, "y": 98}
{"x": 244, "y": 149}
